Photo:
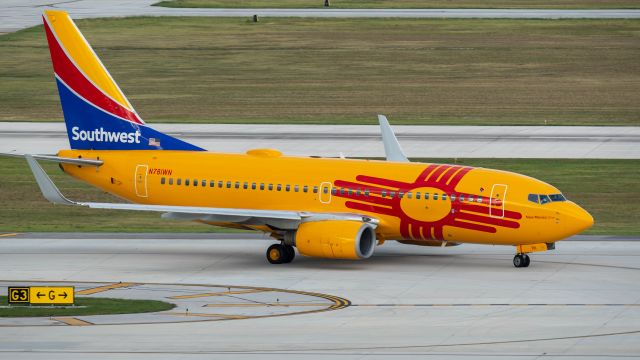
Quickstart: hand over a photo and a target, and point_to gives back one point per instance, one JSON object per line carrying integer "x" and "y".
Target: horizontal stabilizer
{"x": 58, "y": 159}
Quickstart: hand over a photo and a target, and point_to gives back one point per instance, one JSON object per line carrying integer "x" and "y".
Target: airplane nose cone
{"x": 581, "y": 219}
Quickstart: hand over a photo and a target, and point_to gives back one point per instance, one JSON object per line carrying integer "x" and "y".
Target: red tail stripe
{"x": 70, "y": 74}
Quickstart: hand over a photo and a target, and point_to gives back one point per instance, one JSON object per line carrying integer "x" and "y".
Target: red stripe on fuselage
{"x": 72, "y": 76}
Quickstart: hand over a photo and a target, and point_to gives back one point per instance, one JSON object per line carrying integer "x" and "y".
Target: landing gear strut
{"x": 280, "y": 254}
{"x": 521, "y": 260}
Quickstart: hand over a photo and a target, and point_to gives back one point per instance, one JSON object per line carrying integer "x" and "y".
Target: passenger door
{"x": 497, "y": 200}
{"x": 140, "y": 183}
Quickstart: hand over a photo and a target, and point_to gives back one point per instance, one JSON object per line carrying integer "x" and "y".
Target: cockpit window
{"x": 544, "y": 199}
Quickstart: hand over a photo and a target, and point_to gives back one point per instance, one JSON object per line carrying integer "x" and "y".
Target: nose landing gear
{"x": 521, "y": 260}
{"x": 280, "y": 254}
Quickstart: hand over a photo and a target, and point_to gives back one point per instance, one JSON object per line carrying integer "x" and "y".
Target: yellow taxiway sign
{"x": 58, "y": 295}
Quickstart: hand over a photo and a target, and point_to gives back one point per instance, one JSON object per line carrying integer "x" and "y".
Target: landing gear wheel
{"x": 521, "y": 260}
{"x": 280, "y": 254}
{"x": 527, "y": 261}
{"x": 290, "y": 254}
{"x": 276, "y": 254}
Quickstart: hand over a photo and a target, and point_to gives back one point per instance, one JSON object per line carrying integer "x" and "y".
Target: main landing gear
{"x": 280, "y": 254}
{"x": 521, "y": 260}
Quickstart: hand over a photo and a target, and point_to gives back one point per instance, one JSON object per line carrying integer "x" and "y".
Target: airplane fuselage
{"x": 412, "y": 201}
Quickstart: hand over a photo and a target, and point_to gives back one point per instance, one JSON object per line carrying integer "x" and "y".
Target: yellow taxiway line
{"x": 10, "y": 234}
{"x": 194, "y": 296}
{"x": 72, "y": 321}
{"x": 105, "y": 288}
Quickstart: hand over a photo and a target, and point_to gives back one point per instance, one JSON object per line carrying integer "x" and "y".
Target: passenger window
{"x": 334, "y": 191}
{"x": 400, "y": 194}
{"x": 195, "y": 182}
{"x": 384, "y": 193}
{"x": 253, "y": 186}
{"x": 228, "y": 184}
{"x": 444, "y": 196}
{"x": 341, "y": 191}
{"x": 418, "y": 196}
{"x": 349, "y": 192}
{"x": 453, "y": 197}
{"x": 461, "y": 197}
{"x": 261, "y": 186}
{"x": 315, "y": 189}
{"x": 471, "y": 198}
{"x": 245, "y": 185}
{"x": 237, "y": 184}
{"x": 409, "y": 195}
{"x": 305, "y": 188}
{"x": 358, "y": 192}
{"x": 479, "y": 199}
{"x": 366, "y": 192}
{"x": 279, "y": 187}
{"x": 435, "y": 196}
{"x": 270, "y": 187}
{"x": 287, "y": 188}
{"x": 170, "y": 181}
{"x": 186, "y": 182}
{"x": 178, "y": 181}
{"x": 204, "y": 183}
{"x": 426, "y": 196}
{"x": 162, "y": 181}
{"x": 296, "y": 188}
{"x": 220, "y": 184}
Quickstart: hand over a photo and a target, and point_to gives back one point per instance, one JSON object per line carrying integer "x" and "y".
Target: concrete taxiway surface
{"x": 579, "y": 301}
{"x": 19, "y": 14}
{"x": 598, "y": 142}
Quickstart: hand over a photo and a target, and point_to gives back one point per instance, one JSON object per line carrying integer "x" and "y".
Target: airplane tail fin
{"x": 97, "y": 114}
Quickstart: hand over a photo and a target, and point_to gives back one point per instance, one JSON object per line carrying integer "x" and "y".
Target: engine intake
{"x": 336, "y": 239}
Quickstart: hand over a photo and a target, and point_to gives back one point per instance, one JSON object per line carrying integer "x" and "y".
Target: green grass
{"x": 292, "y": 70}
{"x": 608, "y": 189}
{"x": 405, "y": 4}
{"x": 86, "y": 306}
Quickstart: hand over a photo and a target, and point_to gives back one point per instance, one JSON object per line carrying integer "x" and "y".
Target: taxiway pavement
{"x": 578, "y": 142}
{"x": 19, "y": 14}
{"x": 579, "y": 301}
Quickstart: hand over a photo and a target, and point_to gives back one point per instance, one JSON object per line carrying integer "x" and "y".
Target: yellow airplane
{"x": 325, "y": 207}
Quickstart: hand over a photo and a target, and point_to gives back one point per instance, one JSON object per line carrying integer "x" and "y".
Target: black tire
{"x": 518, "y": 261}
{"x": 290, "y": 254}
{"x": 527, "y": 260}
{"x": 276, "y": 254}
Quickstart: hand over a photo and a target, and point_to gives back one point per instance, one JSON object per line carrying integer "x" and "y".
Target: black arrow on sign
{"x": 39, "y": 295}
{"x": 63, "y": 295}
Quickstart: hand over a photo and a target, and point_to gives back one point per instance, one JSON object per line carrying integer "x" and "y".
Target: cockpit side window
{"x": 557, "y": 197}
{"x": 544, "y": 199}
{"x": 534, "y": 198}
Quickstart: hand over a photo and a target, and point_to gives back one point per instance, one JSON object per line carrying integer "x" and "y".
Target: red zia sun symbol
{"x": 425, "y": 220}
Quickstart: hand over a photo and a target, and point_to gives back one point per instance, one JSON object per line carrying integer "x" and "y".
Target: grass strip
{"x": 86, "y": 306}
{"x": 326, "y": 71}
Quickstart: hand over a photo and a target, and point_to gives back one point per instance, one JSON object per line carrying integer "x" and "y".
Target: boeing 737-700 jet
{"x": 325, "y": 207}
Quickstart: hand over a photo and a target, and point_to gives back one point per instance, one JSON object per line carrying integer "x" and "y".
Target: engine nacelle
{"x": 336, "y": 239}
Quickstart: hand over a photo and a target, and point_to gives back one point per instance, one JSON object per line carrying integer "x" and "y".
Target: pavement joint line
{"x": 224, "y": 316}
{"x": 194, "y": 296}
{"x": 72, "y": 321}
{"x": 106, "y": 288}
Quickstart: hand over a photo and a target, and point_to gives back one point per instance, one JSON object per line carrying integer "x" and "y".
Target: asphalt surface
{"x": 467, "y": 302}
{"x": 20, "y": 14}
{"x": 577, "y": 142}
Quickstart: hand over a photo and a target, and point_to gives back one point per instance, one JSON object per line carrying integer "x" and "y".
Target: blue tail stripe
{"x": 90, "y": 128}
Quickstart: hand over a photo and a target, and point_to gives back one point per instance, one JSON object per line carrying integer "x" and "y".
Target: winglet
{"x": 47, "y": 187}
{"x": 392, "y": 147}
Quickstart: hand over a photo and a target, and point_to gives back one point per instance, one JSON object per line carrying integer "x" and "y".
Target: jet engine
{"x": 335, "y": 239}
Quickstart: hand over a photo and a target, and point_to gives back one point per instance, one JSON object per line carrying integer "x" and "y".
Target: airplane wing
{"x": 392, "y": 147}
{"x": 58, "y": 159}
{"x": 281, "y": 219}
